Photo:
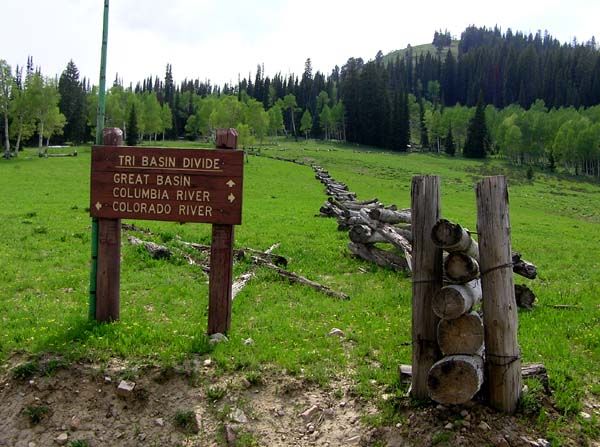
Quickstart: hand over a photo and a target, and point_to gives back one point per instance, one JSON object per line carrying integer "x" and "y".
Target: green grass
{"x": 422, "y": 50}
{"x": 45, "y": 253}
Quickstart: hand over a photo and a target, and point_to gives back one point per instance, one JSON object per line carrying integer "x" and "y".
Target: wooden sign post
{"x": 108, "y": 275}
{"x": 178, "y": 185}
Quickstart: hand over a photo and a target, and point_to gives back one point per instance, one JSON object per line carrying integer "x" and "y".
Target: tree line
{"x": 395, "y": 103}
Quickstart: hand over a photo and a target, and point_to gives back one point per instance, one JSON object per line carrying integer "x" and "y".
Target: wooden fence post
{"x": 221, "y": 259}
{"x": 427, "y": 280}
{"x": 108, "y": 279}
{"x": 503, "y": 360}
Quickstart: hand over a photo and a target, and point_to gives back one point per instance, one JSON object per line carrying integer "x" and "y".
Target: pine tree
{"x": 423, "y": 126}
{"x": 132, "y": 127}
{"x": 72, "y": 103}
{"x": 449, "y": 146}
{"x": 478, "y": 141}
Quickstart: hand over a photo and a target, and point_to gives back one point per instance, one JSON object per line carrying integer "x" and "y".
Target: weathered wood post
{"x": 427, "y": 280}
{"x": 221, "y": 259}
{"x": 503, "y": 359}
{"x": 108, "y": 277}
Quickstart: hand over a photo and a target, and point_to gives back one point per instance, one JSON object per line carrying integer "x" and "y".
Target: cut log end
{"x": 454, "y": 300}
{"x": 446, "y": 234}
{"x": 463, "y": 335}
{"x": 455, "y": 379}
{"x": 461, "y": 268}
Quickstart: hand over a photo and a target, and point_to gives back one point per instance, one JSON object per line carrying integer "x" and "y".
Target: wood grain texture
{"x": 503, "y": 362}
{"x": 427, "y": 280}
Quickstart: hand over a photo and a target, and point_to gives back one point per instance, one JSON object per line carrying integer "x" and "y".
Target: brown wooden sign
{"x": 179, "y": 185}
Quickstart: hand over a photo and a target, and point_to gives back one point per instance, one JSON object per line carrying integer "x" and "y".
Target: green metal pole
{"x": 99, "y": 129}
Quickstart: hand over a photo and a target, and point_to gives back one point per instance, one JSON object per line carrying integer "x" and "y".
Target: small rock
{"x": 310, "y": 428}
{"x": 464, "y": 413}
{"x": 329, "y": 413}
{"x": 62, "y": 439}
{"x": 280, "y": 412}
{"x": 585, "y": 415}
{"x": 449, "y": 426}
{"x": 142, "y": 436}
{"x": 107, "y": 379}
{"x": 484, "y": 426}
{"x": 308, "y": 414}
{"x": 237, "y": 415}
{"x": 230, "y": 435}
{"x": 217, "y": 338}
{"x": 399, "y": 424}
{"x": 159, "y": 422}
{"x": 543, "y": 443}
{"x": 248, "y": 342}
{"x": 74, "y": 423}
{"x": 245, "y": 383}
{"x": 207, "y": 362}
{"x": 335, "y": 332}
{"x": 440, "y": 407}
{"x": 343, "y": 404}
{"x": 125, "y": 388}
{"x": 500, "y": 442}
{"x": 32, "y": 444}
{"x": 353, "y": 439}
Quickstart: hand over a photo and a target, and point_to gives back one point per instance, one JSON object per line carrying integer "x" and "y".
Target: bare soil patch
{"x": 195, "y": 405}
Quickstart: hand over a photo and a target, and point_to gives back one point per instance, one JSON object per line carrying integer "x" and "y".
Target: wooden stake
{"x": 221, "y": 259}
{"x": 427, "y": 280}
{"x": 108, "y": 277}
{"x": 503, "y": 360}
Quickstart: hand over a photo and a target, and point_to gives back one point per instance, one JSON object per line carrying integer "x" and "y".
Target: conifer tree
{"x": 478, "y": 141}
{"x": 423, "y": 126}
{"x": 72, "y": 103}
{"x": 449, "y": 145}
{"x": 132, "y": 127}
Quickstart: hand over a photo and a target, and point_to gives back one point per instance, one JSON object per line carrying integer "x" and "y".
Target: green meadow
{"x": 45, "y": 259}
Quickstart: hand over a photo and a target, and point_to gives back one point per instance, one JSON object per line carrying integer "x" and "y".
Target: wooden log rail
{"x": 369, "y": 222}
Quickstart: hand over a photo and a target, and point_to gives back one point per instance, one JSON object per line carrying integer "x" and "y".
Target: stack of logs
{"x": 369, "y": 223}
{"x": 458, "y": 376}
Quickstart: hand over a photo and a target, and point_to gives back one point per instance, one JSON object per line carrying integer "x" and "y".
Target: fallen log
{"x": 363, "y": 234}
{"x": 460, "y": 267}
{"x": 454, "y": 300}
{"x": 293, "y": 277}
{"x": 462, "y": 335}
{"x": 245, "y": 278}
{"x": 528, "y": 371}
{"x": 392, "y": 235}
{"x": 455, "y": 379}
{"x": 524, "y": 296}
{"x": 454, "y": 238}
{"x": 523, "y": 267}
{"x": 242, "y": 253}
{"x": 354, "y": 205}
{"x": 378, "y": 256}
{"x": 155, "y": 251}
{"x": 390, "y": 216}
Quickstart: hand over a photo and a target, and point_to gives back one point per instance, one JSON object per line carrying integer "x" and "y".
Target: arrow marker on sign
{"x": 231, "y": 198}
{"x": 98, "y": 206}
{"x": 230, "y": 183}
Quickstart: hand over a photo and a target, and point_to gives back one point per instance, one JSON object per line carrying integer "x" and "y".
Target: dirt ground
{"x": 194, "y": 405}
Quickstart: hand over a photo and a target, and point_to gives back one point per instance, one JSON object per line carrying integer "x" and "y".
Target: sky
{"x": 221, "y": 39}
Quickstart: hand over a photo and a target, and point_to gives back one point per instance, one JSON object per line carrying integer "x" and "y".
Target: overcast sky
{"x": 219, "y": 39}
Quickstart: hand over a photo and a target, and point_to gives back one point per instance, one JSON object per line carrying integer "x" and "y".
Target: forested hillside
{"x": 541, "y": 95}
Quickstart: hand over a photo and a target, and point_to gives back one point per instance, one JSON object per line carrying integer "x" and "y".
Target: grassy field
{"x": 422, "y": 50}
{"x": 45, "y": 251}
